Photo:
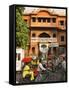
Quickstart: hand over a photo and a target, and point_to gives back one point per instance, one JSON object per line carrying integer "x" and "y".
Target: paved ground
{"x": 48, "y": 76}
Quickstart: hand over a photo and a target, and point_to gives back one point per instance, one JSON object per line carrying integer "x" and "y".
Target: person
{"x": 61, "y": 62}
{"x": 40, "y": 66}
{"x": 28, "y": 71}
{"x": 64, "y": 63}
{"x": 35, "y": 60}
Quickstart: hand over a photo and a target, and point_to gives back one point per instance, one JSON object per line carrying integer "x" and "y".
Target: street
{"x": 47, "y": 76}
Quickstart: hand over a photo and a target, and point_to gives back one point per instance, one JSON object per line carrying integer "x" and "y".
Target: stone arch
{"x": 44, "y": 35}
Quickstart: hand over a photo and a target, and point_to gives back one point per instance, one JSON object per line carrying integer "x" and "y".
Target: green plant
{"x": 22, "y": 31}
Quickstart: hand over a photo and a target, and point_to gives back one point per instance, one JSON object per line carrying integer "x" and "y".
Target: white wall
{"x": 4, "y": 44}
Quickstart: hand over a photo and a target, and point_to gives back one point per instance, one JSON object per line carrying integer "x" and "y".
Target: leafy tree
{"x": 22, "y": 31}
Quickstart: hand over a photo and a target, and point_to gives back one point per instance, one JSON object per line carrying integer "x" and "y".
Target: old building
{"x": 47, "y": 32}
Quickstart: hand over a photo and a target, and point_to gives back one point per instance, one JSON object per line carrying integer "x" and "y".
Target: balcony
{"x": 43, "y": 22}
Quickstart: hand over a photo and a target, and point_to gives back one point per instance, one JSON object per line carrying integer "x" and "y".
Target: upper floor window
{"x": 61, "y": 22}
{"x": 25, "y": 20}
{"x": 54, "y": 20}
{"x": 33, "y": 19}
{"x": 62, "y": 38}
{"x": 48, "y": 20}
{"x": 44, "y": 19}
{"x": 33, "y": 35}
{"x": 39, "y": 19}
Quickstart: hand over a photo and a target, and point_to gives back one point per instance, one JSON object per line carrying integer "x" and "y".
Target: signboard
{"x": 43, "y": 48}
{"x": 43, "y": 39}
{"x": 54, "y": 45}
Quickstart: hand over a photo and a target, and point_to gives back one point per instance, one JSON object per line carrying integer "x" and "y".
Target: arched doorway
{"x": 43, "y": 46}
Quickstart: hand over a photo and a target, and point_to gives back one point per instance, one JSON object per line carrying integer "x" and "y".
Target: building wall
{"x": 58, "y": 27}
{"x": 35, "y": 44}
{"x": 63, "y": 27}
{"x": 38, "y": 32}
{"x": 43, "y": 14}
{"x": 59, "y": 38}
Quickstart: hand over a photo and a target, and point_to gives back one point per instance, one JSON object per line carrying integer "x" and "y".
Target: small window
{"x": 33, "y": 19}
{"x": 62, "y": 38}
{"x": 54, "y": 35}
{"x": 33, "y": 35}
{"x": 25, "y": 20}
{"x": 61, "y": 22}
{"x": 39, "y": 19}
{"x": 48, "y": 19}
{"x": 44, "y": 19}
{"x": 54, "y": 20}
{"x": 18, "y": 56}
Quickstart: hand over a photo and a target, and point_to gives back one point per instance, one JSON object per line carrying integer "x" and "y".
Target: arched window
{"x": 33, "y": 35}
{"x": 33, "y": 49}
{"x": 44, "y": 35}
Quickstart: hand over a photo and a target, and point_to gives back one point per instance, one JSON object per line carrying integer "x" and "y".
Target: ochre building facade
{"x": 46, "y": 28}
